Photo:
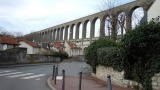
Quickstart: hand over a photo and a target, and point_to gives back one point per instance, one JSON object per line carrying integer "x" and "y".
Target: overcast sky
{"x": 33, "y": 15}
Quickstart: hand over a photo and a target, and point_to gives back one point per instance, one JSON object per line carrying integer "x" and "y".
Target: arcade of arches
{"x": 82, "y": 31}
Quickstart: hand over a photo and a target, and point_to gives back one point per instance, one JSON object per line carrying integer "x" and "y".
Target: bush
{"x": 62, "y": 55}
{"x": 141, "y": 53}
{"x": 111, "y": 57}
{"x": 91, "y": 52}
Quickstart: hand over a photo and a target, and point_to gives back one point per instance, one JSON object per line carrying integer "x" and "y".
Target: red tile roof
{"x": 58, "y": 44}
{"x": 73, "y": 46}
{"x": 8, "y": 40}
{"x": 30, "y": 43}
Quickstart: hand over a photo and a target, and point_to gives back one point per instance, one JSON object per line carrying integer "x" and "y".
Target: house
{"x": 72, "y": 49}
{"x": 153, "y": 11}
{"x": 58, "y": 46}
{"x": 7, "y": 42}
{"x": 32, "y": 48}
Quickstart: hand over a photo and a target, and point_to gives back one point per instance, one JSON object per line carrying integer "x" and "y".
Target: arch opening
{"x": 69, "y": 31}
{"x": 136, "y": 16}
{"x": 97, "y": 28}
{"x": 121, "y": 24}
{"x": 80, "y": 31}
{"x": 108, "y": 26}
{"x": 88, "y": 29}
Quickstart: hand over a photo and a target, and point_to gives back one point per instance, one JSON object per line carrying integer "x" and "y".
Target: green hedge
{"x": 62, "y": 55}
{"x": 110, "y": 56}
{"x": 141, "y": 53}
{"x": 91, "y": 52}
{"x": 138, "y": 53}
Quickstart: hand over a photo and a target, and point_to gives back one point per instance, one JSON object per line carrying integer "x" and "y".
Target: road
{"x": 25, "y": 78}
{"x": 35, "y": 77}
{"x": 73, "y": 68}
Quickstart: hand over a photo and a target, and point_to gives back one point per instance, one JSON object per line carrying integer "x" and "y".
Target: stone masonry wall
{"x": 156, "y": 82}
{"x": 118, "y": 78}
{"x": 33, "y": 58}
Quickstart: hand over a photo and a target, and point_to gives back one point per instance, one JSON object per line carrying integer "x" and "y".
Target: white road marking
{"x": 34, "y": 76}
{"x": 59, "y": 77}
{"x": 10, "y": 73}
{"x": 38, "y": 79}
{"x": 20, "y": 75}
{"x": 7, "y": 71}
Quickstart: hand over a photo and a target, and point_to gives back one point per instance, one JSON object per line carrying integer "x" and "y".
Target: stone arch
{"x": 58, "y": 34}
{"x": 41, "y": 33}
{"x": 106, "y": 20}
{"x": 72, "y": 32}
{"x": 121, "y": 23}
{"x": 45, "y": 35}
{"x": 54, "y": 34}
{"x": 48, "y": 35}
{"x": 61, "y": 33}
{"x": 80, "y": 30}
{"x": 77, "y": 30}
{"x": 129, "y": 17}
{"x": 39, "y": 36}
{"x": 51, "y": 34}
{"x": 86, "y": 29}
{"x": 103, "y": 25}
{"x": 66, "y": 32}
{"x": 92, "y": 32}
{"x": 97, "y": 28}
{"x": 137, "y": 17}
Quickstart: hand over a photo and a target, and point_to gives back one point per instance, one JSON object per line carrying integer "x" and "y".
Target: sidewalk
{"x": 88, "y": 83}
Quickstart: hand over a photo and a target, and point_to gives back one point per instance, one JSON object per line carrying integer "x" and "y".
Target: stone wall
{"x": 156, "y": 82}
{"x": 13, "y": 56}
{"x": 8, "y": 57}
{"x": 118, "y": 78}
{"x": 33, "y": 58}
{"x": 19, "y": 56}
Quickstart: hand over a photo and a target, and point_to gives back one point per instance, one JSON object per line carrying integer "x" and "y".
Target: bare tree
{"x": 116, "y": 23}
{"x": 112, "y": 21}
{"x": 121, "y": 23}
{"x": 3, "y": 31}
{"x": 31, "y": 36}
{"x": 15, "y": 34}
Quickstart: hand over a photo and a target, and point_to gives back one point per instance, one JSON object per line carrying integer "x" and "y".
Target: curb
{"x": 25, "y": 65}
{"x": 49, "y": 84}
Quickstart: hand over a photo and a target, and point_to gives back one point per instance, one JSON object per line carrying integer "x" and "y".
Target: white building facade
{"x": 154, "y": 10}
{"x": 30, "y": 48}
{"x": 72, "y": 49}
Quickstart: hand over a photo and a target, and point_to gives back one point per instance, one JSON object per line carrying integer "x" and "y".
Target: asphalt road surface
{"x": 35, "y": 77}
{"x": 25, "y": 78}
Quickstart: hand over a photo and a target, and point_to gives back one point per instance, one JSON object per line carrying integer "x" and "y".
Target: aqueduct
{"x": 65, "y": 31}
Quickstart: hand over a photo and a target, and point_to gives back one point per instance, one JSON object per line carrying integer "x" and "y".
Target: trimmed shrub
{"x": 111, "y": 57}
{"x": 91, "y": 52}
{"x": 62, "y": 55}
